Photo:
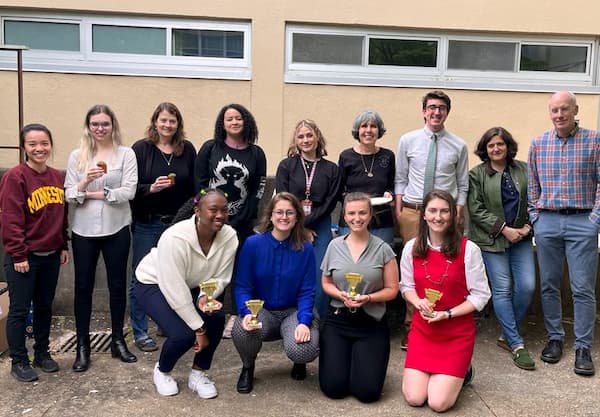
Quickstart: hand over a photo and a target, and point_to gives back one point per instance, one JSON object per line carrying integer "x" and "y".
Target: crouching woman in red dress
{"x": 443, "y": 277}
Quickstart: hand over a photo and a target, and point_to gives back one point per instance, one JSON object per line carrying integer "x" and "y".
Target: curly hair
{"x": 178, "y": 137}
{"x": 250, "y": 131}
{"x": 511, "y": 145}
{"x": 312, "y": 125}
{"x": 452, "y": 237}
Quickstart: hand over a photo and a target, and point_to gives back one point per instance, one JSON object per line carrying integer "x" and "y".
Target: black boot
{"x": 298, "y": 371}
{"x": 246, "y": 380}
{"x": 82, "y": 355}
{"x": 118, "y": 349}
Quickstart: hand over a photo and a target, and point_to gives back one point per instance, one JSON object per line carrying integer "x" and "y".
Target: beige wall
{"x": 61, "y": 100}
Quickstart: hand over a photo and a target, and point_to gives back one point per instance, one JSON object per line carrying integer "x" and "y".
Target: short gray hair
{"x": 368, "y": 116}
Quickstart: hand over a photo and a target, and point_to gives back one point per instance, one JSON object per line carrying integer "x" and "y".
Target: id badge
{"x": 307, "y": 207}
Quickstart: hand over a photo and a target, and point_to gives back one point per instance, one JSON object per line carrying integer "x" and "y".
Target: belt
{"x": 569, "y": 211}
{"x": 163, "y": 218}
{"x": 414, "y": 206}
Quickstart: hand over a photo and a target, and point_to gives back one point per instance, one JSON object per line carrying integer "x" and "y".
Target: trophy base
{"x": 354, "y": 297}
{"x": 431, "y": 315}
{"x": 210, "y": 308}
{"x": 257, "y": 325}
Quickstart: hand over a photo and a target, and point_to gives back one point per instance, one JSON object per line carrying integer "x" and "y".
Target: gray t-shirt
{"x": 338, "y": 261}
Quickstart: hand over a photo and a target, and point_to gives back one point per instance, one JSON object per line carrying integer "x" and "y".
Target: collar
{"x": 491, "y": 171}
{"x": 429, "y": 133}
{"x": 571, "y": 133}
{"x": 276, "y": 243}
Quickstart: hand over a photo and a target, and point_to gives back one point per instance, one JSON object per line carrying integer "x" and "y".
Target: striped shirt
{"x": 564, "y": 172}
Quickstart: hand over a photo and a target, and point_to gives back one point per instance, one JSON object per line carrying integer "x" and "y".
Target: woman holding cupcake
{"x": 165, "y": 161}
{"x": 101, "y": 219}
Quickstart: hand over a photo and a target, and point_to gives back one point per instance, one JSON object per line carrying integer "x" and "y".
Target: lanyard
{"x": 309, "y": 178}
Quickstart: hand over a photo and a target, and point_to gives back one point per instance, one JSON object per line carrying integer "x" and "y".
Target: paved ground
{"x": 111, "y": 388}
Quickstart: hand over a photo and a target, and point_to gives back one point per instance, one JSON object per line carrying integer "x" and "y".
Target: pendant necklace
{"x": 369, "y": 172}
{"x": 167, "y": 160}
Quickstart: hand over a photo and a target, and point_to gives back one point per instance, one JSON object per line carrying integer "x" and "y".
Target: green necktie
{"x": 430, "y": 167}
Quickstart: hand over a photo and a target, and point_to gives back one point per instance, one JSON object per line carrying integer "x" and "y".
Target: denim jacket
{"x": 485, "y": 205}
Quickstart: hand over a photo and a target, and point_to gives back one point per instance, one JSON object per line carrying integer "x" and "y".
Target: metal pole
{"x": 20, "y": 93}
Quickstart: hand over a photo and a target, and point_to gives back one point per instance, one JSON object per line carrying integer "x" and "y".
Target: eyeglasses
{"x": 282, "y": 213}
{"x": 96, "y": 125}
{"x": 442, "y": 107}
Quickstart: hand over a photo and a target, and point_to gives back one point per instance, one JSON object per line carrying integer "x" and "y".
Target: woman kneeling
{"x": 443, "y": 277}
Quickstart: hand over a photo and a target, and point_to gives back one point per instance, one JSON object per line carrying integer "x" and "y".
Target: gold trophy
{"x": 353, "y": 280}
{"x": 254, "y": 306}
{"x": 209, "y": 287}
{"x": 433, "y": 297}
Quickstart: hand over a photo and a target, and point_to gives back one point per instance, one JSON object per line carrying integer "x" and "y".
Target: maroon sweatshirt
{"x": 33, "y": 214}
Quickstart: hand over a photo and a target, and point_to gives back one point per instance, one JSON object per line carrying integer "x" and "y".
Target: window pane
{"x": 129, "y": 40}
{"x": 327, "y": 49}
{"x": 42, "y": 35}
{"x": 208, "y": 43}
{"x": 482, "y": 56}
{"x": 553, "y": 58}
{"x": 402, "y": 53}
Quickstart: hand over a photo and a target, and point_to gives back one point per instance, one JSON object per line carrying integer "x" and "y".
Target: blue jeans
{"x": 180, "y": 338}
{"x": 144, "y": 237}
{"x": 512, "y": 278}
{"x": 574, "y": 236}
{"x": 323, "y": 230}
{"x": 37, "y": 285}
{"x": 384, "y": 233}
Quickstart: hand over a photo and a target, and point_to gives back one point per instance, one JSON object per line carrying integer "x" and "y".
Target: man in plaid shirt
{"x": 564, "y": 208}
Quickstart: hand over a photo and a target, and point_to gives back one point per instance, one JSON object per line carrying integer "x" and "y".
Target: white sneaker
{"x": 200, "y": 383}
{"x": 165, "y": 384}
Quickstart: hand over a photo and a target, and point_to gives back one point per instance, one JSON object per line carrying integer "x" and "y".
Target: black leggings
{"x": 355, "y": 350}
{"x": 115, "y": 251}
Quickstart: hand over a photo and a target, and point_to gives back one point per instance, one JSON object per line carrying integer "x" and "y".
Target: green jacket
{"x": 484, "y": 202}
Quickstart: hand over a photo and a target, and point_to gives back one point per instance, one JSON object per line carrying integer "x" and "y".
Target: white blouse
{"x": 96, "y": 218}
{"x": 477, "y": 281}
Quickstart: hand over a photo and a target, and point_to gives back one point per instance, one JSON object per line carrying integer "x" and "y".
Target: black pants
{"x": 355, "y": 350}
{"x": 115, "y": 251}
{"x": 37, "y": 285}
{"x": 180, "y": 338}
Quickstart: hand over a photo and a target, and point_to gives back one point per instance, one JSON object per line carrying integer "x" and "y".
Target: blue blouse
{"x": 275, "y": 272}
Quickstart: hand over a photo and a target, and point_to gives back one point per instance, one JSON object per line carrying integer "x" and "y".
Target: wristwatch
{"x": 106, "y": 191}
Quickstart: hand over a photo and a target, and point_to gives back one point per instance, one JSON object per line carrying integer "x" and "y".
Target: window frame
{"x": 440, "y": 76}
{"x": 89, "y": 62}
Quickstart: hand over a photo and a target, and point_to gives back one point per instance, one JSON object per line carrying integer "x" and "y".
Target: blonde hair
{"x": 312, "y": 125}
{"x": 87, "y": 144}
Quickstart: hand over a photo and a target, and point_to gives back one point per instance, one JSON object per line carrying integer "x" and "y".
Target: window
{"x": 128, "y": 40}
{"x": 128, "y": 45}
{"x": 327, "y": 49}
{"x": 208, "y": 43}
{"x": 42, "y": 35}
{"x": 402, "y": 52}
{"x": 357, "y": 56}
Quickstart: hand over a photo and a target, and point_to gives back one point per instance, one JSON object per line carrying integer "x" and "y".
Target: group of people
{"x": 190, "y": 219}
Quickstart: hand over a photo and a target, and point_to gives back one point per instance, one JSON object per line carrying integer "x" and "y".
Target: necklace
{"x": 167, "y": 160}
{"x": 369, "y": 171}
{"x": 442, "y": 277}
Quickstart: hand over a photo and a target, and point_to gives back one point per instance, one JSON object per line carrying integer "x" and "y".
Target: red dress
{"x": 444, "y": 347}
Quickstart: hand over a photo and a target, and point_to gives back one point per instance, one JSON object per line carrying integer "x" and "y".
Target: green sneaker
{"x": 523, "y": 360}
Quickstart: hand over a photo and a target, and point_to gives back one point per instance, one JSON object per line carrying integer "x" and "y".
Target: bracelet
{"x": 369, "y": 300}
{"x": 449, "y": 312}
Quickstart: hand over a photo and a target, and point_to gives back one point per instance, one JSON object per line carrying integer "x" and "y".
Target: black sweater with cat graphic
{"x": 241, "y": 173}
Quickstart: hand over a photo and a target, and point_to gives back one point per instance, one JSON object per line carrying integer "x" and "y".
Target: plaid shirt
{"x": 564, "y": 172}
